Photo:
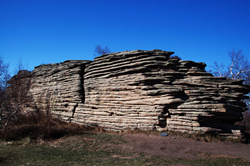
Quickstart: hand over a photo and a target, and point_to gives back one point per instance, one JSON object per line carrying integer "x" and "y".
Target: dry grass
{"x": 40, "y": 126}
{"x": 43, "y": 126}
{"x": 90, "y": 149}
{"x": 41, "y": 139}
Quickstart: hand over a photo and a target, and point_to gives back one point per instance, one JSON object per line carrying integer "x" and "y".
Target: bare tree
{"x": 16, "y": 95}
{"x": 218, "y": 70}
{"x": 20, "y": 66}
{"x": 101, "y": 51}
{"x": 175, "y": 57}
{"x": 239, "y": 67}
{"x": 4, "y": 76}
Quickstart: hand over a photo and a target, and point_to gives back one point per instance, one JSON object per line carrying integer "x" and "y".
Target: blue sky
{"x": 52, "y": 31}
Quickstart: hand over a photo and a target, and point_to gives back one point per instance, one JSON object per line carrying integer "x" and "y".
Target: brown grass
{"x": 43, "y": 126}
{"x": 39, "y": 126}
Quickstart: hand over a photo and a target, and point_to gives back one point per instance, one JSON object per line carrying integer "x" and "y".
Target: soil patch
{"x": 156, "y": 145}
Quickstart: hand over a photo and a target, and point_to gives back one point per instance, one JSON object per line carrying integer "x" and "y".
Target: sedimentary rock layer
{"x": 60, "y": 86}
{"x": 140, "y": 89}
{"x": 149, "y": 90}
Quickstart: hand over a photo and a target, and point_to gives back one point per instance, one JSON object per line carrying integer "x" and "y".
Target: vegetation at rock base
{"x": 39, "y": 126}
{"x": 41, "y": 139}
{"x": 90, "y": 148}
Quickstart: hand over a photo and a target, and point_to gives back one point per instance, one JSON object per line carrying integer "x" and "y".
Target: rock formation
{"x": 61, "y": 85}
{"x": 141, "y": 89}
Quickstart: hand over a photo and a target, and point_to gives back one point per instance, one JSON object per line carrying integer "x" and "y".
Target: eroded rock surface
{"x": 60, "y": 86}
{"x": 141, "y": 89}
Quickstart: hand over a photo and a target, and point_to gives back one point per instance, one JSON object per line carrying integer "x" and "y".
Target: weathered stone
{"x": 140, "y": 89}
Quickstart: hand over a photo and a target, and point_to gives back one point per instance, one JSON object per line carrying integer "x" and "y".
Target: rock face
{"x": 60, "y": 86}
{"x": 141, "y": 89}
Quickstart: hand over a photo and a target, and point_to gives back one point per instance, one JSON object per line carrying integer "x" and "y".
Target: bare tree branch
{"x": 16, "y": 95}
{"x": 11, "y": 115}
{"x": 239, "y": 67}
{"x": 218, "y": 69}
{"x": 101, "y": 51}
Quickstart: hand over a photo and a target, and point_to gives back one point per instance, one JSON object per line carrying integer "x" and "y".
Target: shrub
{"x": 39, "y": 126}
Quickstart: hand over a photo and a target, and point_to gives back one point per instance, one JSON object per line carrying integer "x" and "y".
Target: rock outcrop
{"x": 141, "y": 89}
{"x": 60, "y": 86}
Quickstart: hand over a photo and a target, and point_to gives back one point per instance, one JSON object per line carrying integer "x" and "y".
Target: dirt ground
{"x": 156, "y": 145}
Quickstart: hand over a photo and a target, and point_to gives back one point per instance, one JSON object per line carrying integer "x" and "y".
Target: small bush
{"x": 39, "y": 126}
{"x": 175, "y": 57}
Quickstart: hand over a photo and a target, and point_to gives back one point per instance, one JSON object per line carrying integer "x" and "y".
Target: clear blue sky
{"x": 52, "y": 31}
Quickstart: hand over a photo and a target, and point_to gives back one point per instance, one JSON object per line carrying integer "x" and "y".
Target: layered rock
{"x": 59, "y": 86}
{"x": 148, "y": 90}
{"x": 140, "y": 89}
